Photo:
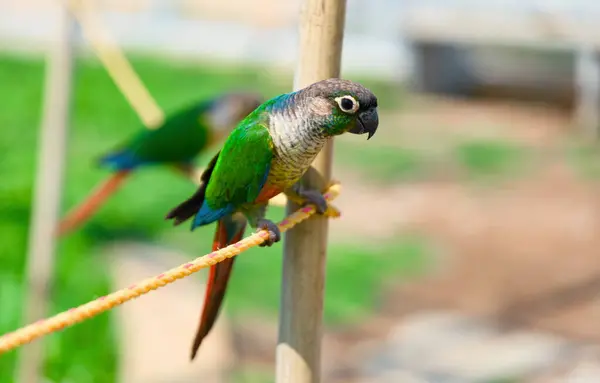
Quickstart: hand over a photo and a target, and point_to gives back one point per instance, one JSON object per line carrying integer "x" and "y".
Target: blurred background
{"x": 468, "y": 246}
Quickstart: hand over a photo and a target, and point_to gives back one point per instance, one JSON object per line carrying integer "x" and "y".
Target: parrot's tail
{"x": 228, "y": 232}
{"x": 85, "y": 209}
{"x": 188, "y": 208}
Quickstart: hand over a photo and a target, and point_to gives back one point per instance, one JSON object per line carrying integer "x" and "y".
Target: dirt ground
{"x": 524, "y": 253}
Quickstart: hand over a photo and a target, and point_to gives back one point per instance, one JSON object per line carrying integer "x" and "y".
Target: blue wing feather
{"x": 122, "y": 160}
{"x": 208, "y": 215}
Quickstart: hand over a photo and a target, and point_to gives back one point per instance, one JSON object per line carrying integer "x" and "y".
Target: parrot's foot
{"x": 272, "y": 228}
{"x": 314, "y": 197}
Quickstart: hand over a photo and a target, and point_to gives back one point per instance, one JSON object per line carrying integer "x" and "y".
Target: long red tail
{"x": 228, "y": 232}
{"x": 84, "y": 210}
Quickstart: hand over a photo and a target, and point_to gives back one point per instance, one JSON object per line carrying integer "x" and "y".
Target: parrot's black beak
{"x": 368, "y": 121}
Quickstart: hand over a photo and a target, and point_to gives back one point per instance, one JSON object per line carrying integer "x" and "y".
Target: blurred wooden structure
{"x": 48, "y": 193}
{"x": 305, "y": 248}
{"x": 554, "y": 55}
{"x": 117, "y": 66}
{"x": 465, "y": 26}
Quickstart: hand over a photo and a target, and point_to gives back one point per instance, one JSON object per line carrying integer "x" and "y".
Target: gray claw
{"x": 315, "y": 198}
{"x": 272, "y": 228}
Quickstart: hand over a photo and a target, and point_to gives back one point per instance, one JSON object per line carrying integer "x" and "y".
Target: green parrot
{"x": 177, "y": 142}
{"x": 266, "y": 154}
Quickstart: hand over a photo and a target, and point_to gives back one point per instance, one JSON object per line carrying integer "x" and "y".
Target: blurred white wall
{"x": 263, "y": 31}
{"x": 378, "y": 32}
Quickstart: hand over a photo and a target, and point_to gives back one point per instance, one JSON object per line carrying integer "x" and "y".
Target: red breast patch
{"x": 267, "y": 193}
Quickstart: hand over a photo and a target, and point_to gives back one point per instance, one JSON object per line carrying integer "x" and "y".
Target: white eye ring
{"x": 345, "y": 108}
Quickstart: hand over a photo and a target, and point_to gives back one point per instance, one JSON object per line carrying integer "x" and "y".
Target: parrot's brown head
{"x": 342, "y": 106}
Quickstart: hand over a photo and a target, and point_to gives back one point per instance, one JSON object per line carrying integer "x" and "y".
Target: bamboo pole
{"x": 116, "y": 64}
{"x": 587, "y": 85}
{"x": 48, "y": 190}
{"x": 305, "y": 248}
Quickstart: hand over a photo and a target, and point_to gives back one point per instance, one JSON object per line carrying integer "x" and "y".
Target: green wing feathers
{"x": 180, "y": 139}
{"x": 243, "y": 164}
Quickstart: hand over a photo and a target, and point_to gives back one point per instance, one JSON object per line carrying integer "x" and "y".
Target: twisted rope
{"x": 78, "y": 314}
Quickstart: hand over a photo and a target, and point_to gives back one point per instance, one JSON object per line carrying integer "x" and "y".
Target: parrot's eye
{"x": 348, "y": 104}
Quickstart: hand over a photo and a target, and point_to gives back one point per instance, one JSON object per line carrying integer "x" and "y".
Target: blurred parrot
{"x": 266, "y": 154}
{"x": 177, "y": 142}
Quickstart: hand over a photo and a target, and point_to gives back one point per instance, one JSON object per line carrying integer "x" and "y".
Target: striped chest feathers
{"x": 295, "y": 147}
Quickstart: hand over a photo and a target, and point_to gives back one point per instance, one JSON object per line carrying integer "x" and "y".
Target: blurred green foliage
{"x": 585, "y": 159}
{"x": 489, "y": 157}
{"x": 462, "y": 158}
{"x": 101, "y": 118}
{"x": 387, "y": 164}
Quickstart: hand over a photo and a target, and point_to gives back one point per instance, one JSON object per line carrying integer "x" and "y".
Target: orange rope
{"x": 78, "y": 314}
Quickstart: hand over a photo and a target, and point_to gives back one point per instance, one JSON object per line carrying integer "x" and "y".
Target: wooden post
{"x": 48, "y": 190}
{"x": 116, "y": 64}
{"x": 305, "y": 247}
{"x": 587, "y": 85}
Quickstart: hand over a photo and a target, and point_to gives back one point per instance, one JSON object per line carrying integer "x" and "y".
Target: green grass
{"x": 387, "y": 164}
{"x": 100, "y": 119}
{"x": 484, "y": 158}
{"x": 253, "y": 376}
{"x": 357, "y": 274}
{"x": 585, "y": 159}
{"x": 469, "y": 158}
